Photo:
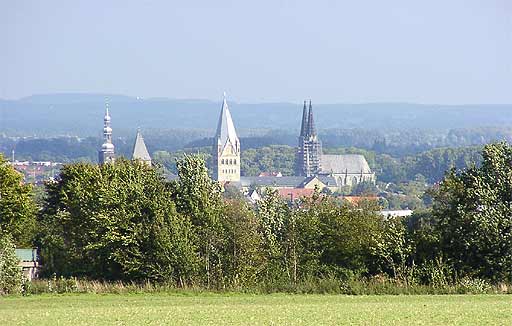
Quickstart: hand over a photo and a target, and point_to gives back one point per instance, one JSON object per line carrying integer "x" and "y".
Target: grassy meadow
{"x": 246, "y": 309}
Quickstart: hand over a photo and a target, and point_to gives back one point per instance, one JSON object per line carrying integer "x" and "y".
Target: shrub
{"x": 11, "y": 277}
{"x": 473, "y": 286}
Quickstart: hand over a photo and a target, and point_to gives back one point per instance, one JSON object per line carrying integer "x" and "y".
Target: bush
{"x": 473, "y": 286}
{"x": 11, "y": 277}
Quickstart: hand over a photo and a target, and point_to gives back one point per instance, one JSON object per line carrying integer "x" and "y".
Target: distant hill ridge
{"x": 81, "y": 114}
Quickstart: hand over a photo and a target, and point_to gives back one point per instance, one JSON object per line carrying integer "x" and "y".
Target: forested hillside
{"x": 81, "y": 114}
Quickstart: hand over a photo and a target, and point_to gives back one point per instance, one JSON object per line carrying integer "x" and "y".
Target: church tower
{"x": 140, "y": 151}
{"x": 307, "y": 162}
{"x": 226, "y": 148}
{"x": 106, "y": 153}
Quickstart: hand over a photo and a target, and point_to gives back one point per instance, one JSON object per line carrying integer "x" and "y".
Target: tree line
{"x": 126, "y": 222}
{"x": 395, "y": 143}
{"x": 430, "y": 164}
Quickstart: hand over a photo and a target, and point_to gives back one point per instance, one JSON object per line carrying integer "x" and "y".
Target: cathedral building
{"x": 313, "y": 169}
{"x": 346, "y": 170}
{"x": 226, "y": 148}
{"x": 106, "y": 153}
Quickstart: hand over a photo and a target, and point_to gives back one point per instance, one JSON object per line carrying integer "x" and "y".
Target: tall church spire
{"x": 304, "y": 124}
{"x": 311, "y": 122}
{"x": 106, "y": 153}
{"x": 226, "y": 148}
{"x": 307, "y": 161}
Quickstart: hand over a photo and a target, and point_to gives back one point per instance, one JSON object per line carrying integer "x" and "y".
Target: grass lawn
{"x": 244, "y": 309}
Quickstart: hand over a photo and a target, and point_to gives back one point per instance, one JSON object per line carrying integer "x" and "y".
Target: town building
{"x": 140, "y": 151}
{"x": 289, "y": 182}
{"x": 226, "y": 148}
{"x": 106, "y": 153}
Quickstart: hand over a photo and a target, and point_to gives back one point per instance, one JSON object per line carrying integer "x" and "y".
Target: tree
{"x": 115, "y": 221}
{"x": 474, "y": 212}
{"x": 242, "y": 244}
{"x": 199, "y": 198}
{"x": 17, "y": 208}
{"x": 304, "y": 238}
{"x": 11, "y": 276}
{"x": 347, "y": 233}
{"x": 272, "y": 213}
{"x": 365, "y": 188}
{"x": 393, "y": 249}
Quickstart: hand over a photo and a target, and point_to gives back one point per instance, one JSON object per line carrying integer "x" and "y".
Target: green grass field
{"x": 243, "y": 309}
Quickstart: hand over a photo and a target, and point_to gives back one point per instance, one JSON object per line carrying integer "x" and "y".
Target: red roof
{"x": 295, "y": 193}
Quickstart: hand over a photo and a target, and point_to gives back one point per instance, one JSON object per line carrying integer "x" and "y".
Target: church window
{"x": 234, "y": 161}
{"x": 230, "y": 161}
{"x": 222, "y": 161}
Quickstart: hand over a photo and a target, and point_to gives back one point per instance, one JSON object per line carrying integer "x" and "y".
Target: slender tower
{"x": 307, "y": 161}
{"x": 301, "y": 155}
{"x": 226, "y": 148}
{"x": 106, "y": 153}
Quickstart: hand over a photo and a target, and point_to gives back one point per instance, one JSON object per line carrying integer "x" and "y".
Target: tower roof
{"x": 140, "y": 150}
{"x": 304, "y": 124}
{"x": 311, "y": 123}
{"x": 225, "y": 128}
{"x": 347, "y": 163}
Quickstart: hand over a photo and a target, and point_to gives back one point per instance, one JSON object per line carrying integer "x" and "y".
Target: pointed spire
{"x": 140, "y": 151}
{"x": 107, "y": 106}
{"x": 225, "y": 127}
{"x": 311, "y": 131}
{"x": 304, "y": 121}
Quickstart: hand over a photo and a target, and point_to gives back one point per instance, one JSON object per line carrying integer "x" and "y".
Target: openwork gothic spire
{"x": 307, "y": 161}
{"x": 304, "y": 124}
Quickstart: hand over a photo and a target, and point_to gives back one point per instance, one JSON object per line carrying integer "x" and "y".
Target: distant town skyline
{"x": 449, "y": 52}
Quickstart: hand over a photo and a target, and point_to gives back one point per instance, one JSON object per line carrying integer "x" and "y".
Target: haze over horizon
{"x": 456, "y": 52}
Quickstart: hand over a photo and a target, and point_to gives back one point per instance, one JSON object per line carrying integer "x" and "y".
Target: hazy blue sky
{"x": 432, "y": 51}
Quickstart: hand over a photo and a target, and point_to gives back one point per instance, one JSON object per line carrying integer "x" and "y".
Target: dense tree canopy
{"x": 114, "y": 221}
{"x": 474, "y": 212}
{"x": 17, "y": 208}
{"x": 125, "y": 221}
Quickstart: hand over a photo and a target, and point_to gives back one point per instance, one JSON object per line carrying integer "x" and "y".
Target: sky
{"x": 431, "y": 51}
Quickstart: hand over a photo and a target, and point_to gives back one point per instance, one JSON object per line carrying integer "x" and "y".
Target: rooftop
{"x": 348, "y": 163}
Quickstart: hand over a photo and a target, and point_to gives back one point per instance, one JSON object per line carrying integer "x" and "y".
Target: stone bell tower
{"x": 226, "y": 148}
